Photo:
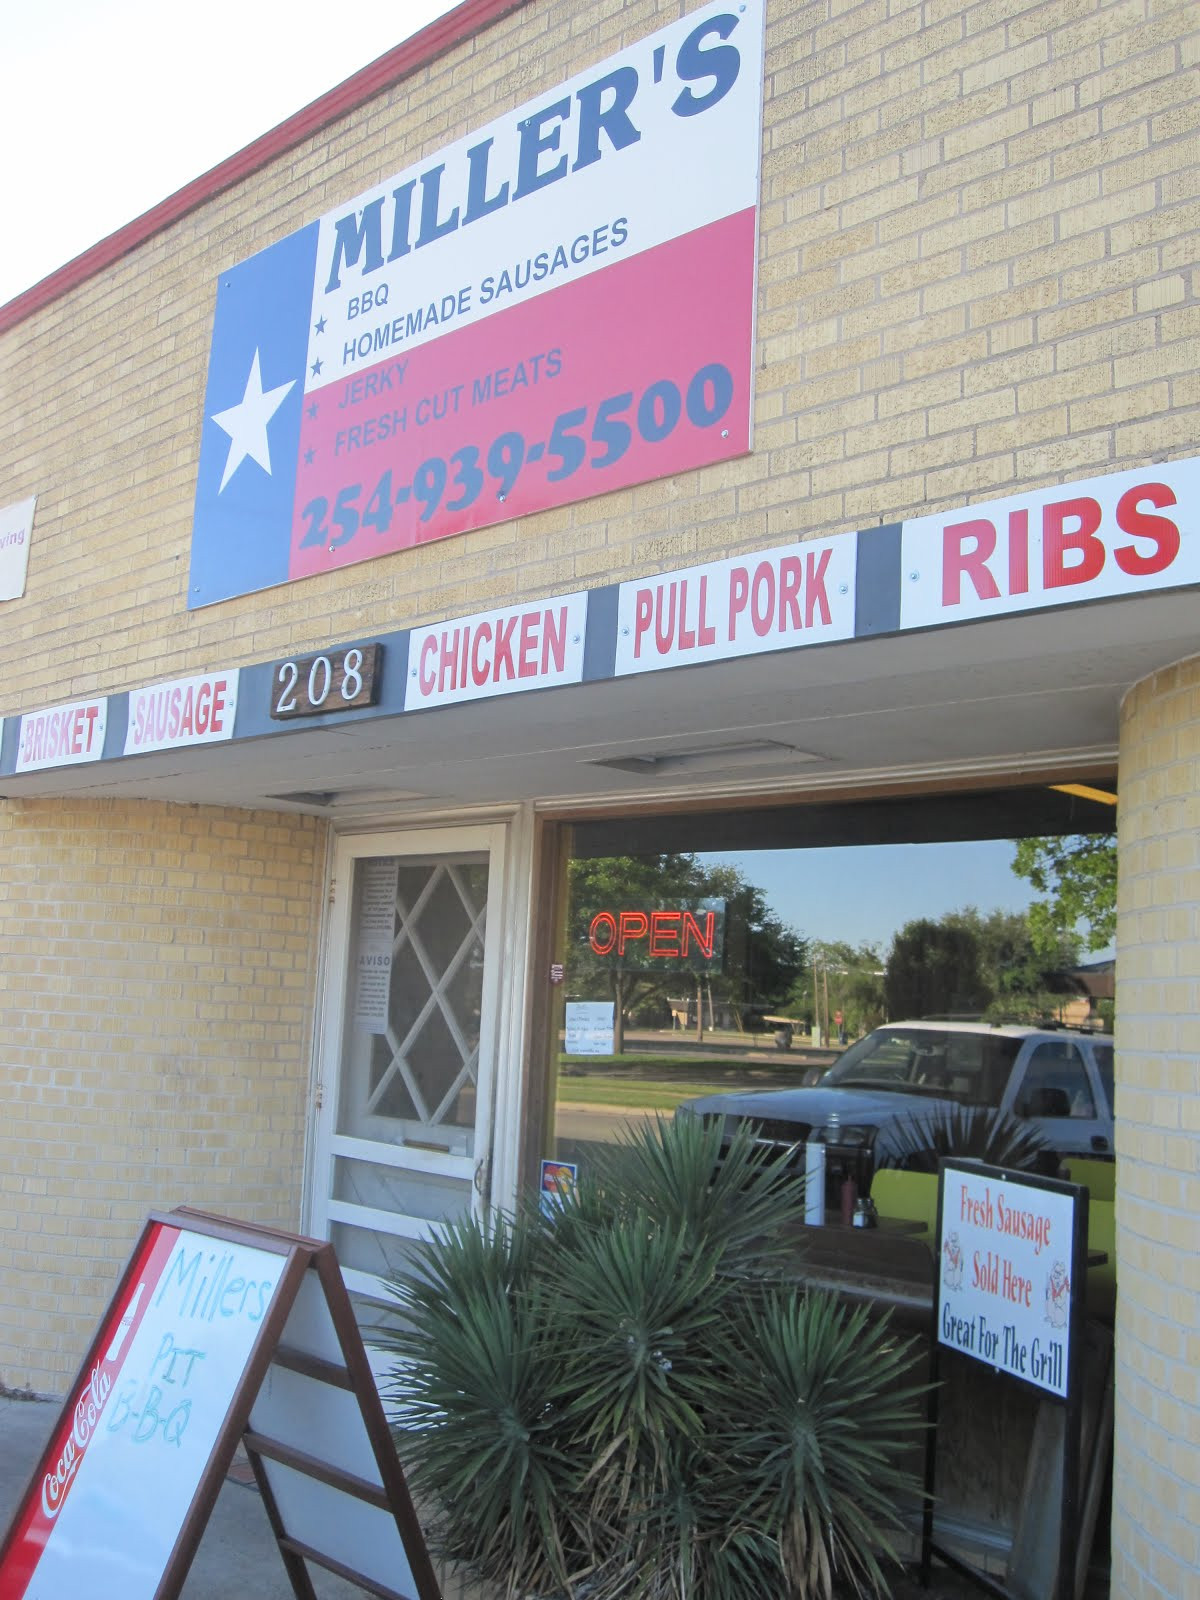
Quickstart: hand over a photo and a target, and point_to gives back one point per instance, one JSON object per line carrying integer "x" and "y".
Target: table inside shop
{"x": 890, "y": 1264}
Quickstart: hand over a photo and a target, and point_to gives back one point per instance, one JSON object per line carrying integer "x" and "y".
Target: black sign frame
{"x": 1071, "y": 1403}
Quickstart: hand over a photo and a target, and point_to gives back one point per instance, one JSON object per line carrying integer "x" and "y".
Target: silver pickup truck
{"x": 905, "y": 1075}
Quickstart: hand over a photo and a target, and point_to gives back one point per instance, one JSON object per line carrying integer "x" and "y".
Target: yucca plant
{"x": 632, "y": 1398}
{"x": 917, "y": 1143}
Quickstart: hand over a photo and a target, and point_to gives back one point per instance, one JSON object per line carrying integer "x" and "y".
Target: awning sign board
{"x": 497, "y": 652}
{"x": 1125, "y": 533}
{"x": 62, "y": 736}
{"x": 769, "y": 600}
{"x": 167, "y": 716}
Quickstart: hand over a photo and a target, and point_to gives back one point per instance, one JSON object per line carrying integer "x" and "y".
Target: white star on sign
{"x": 246, "y": 423}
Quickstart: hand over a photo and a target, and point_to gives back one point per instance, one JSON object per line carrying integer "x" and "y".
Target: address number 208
{"x": 335, "y": 680}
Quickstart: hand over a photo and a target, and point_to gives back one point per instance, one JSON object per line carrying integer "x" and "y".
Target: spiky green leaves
{"x": 633, "y": 1399}
{"x": 917, "y": 1143}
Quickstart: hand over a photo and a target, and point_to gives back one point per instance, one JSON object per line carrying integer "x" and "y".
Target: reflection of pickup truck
{"x": 906, "y": 1073}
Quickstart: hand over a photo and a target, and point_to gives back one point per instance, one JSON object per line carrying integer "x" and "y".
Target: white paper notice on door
{"x": 589, "y": 1028}
{"x": 378, "y": 882}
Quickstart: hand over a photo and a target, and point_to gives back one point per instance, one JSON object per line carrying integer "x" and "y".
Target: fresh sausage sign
{"x": 558, "y": 305}
{"x": 1008, "y": 1259}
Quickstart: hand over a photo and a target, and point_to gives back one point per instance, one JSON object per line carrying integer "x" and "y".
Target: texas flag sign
{"x": 559, "y": 305}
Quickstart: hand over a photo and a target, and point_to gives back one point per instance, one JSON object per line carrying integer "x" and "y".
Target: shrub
{"x": 632, "y": 1398}
{"x": 918, "y": 1142}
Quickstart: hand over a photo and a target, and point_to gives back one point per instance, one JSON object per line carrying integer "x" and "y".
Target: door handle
{"x": 482, "y": 1179}
{"x": 1099, "y": 1142}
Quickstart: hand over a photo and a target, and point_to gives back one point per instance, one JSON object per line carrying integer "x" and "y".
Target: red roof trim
{"x": 440, "y": 36}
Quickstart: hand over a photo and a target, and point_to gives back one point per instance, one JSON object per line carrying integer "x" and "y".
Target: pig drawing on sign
{"x": 1058, "y": 1296}
{"x": 952, "y": 1262}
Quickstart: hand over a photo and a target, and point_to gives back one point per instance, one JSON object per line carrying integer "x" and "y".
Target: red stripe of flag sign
{"x": 560, "y": 304}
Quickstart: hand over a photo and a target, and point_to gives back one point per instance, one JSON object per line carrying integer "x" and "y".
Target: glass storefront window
{"x": 692, "y": 971}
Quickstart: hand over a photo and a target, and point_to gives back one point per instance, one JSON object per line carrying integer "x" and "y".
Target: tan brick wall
{"x": 1156, "y": 1509}
{"x": 980, "y": 228}
{"x": 980, "y": 225}
{"x": 155, "y": 1034}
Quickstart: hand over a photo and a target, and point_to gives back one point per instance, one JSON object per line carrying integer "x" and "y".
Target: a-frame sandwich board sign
{"x": 219, "y": 1333}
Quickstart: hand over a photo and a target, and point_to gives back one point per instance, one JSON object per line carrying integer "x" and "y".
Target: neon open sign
{"x": 683, "y": 935}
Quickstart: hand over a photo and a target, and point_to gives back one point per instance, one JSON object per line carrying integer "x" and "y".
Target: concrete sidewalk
{"x": 237, "y": 1559}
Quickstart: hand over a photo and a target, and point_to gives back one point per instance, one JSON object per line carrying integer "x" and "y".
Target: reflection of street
{"x": 592, "y": 1124}
{"x": 581, "y": 1129}
{"x": 728, "y": 1047}
{"x": 667, "y": 1068}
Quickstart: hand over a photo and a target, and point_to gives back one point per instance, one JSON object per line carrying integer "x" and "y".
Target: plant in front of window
{"x": 630, "y": 1395}
{"x": 918, "y": 1142}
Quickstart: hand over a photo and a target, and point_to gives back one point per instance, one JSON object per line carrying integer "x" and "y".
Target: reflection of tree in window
{"x": 756, "y": 963}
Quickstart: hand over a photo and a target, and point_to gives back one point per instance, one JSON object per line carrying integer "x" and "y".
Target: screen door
{"x": 403, "y": 1137}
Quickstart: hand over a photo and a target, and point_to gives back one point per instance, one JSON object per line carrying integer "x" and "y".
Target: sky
{"x": 864, "y": 894}
{"x": 109, "y": 106}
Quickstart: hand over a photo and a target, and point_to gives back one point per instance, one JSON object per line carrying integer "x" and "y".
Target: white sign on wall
{"x": 1126, "y": 533}
{"x": 497, "y": 652}
{"x": 62, "y": 736}
{"x": 16, "y": 529}
{"x": 770, "y": 600}
{"x": 1006, "y": 1258}
{"x": 197, "y": 710}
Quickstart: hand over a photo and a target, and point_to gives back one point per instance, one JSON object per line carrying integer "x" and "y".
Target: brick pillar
{"x": 1156, "y": 1497}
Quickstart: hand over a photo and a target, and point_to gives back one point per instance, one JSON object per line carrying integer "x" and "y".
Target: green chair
{"x": 1102, "y": 1280}
{"x": 1098, "y": 1177}
{"x": 906, "y": 1196}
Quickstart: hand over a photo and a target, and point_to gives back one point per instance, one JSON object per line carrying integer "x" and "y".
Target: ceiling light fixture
{"x": 1083, "y": 791}
{"x": 709, "y": 758}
